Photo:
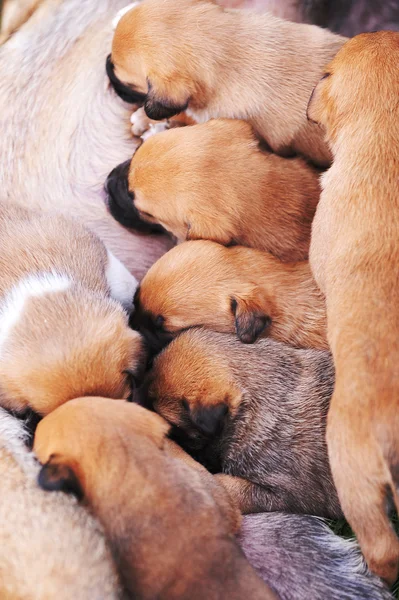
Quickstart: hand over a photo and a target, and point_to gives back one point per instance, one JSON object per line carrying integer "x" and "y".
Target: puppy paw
{"x": 140, "y": 122}
{"x": 122, "y": 12}
{"x": 154, "y": 129}
{"x": 364, "y": 459}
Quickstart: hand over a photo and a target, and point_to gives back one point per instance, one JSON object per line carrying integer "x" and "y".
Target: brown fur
{"x": 93, "y": 445}
{"x": 57, "y": 343}
{"x": 226, "y": 63}
{"x": 51, "y": 548}
{"x": 247, "y": 196}
{"x": 255, "y": 413}
{"x": 237, "y": 290}
{"x": 354, "y": 257}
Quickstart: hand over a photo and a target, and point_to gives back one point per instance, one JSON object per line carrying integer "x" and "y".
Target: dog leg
{"x": 250, "y": 497}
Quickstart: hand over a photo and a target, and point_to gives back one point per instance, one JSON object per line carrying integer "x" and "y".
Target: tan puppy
{"x": 237, "y": 290}
{"x": 354, "y": 257}
{"x": 218, "y": 62}
{"x": 247, "y": 196}
{"x": 62, "y": 330}
{"x": 91, "y": 445}
{"x": 51, "y": 548}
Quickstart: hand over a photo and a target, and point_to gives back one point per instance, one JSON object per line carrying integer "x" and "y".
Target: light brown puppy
{"x": 217, "y": 62}
{"x": 51, "y": 547}
{"x": 63, "y": 328}
{"x": 115, "y": 455}
{"x": 354, "y": 257}
{"x": 237, "y": 290}
{"x": 248, "y": 195}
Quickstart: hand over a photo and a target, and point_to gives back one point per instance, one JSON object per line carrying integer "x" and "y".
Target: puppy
{"x": 248, "y": 196}
{"x": 237, "y": 290}
{"x": 90, "y": 445}
{"x": 51, "y": 547}
{"x": 354, "y": 256}
{"x": 214, "y": 62}
{"x": 63, "y": 329}
{"x": 262, "y": 426}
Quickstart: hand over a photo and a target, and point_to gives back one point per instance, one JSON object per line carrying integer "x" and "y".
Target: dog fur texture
{"x": 216, "y": 62}
{"x": 233, "y": 290}
{"x": 262, "y": 426}
{"x": 354, "y": 257}
{"x": 61, "y": 332}
{"x": 215, "y": 181}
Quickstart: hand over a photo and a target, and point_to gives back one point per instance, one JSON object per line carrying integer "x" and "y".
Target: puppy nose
{"x": 120, "y": 201}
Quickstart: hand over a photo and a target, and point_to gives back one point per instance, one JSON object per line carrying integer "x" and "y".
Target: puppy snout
{"x": 120, "y": 201}
{"x": 156, "y": 340}
{"x": 126, "y": 93}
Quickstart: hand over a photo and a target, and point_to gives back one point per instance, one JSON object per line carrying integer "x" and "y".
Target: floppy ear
{"x": 209, "y": 419}
{"x": 314, "y": 108}
{"x": 208, "y": 229}
{"x": 56, "y": 476}
{"x": 163, "y": 104}
{"x": 250, "y": 319}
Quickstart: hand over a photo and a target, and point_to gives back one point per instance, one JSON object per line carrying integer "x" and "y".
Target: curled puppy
{"x": 262, "y": 426}
{"x": 213, "y": 62}
{"x": 89, "y": 445}
{"x": 354, "y": 257}
{"x": 302, "y": 559}
{"x": 51, "y": 548}
{"x": 233, "y": 290}
{"x": 247, "y": 196}
{"x": 63, "y": 328}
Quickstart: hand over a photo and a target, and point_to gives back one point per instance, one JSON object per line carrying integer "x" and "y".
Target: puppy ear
{"x": 163, "y": 104}
{"x": 209, "y": 419}
{"x": 314, "y": 108}
{"x": 207, "y": 229}
{"x": 56, "y": 476}
{"x": 250, "y": 319}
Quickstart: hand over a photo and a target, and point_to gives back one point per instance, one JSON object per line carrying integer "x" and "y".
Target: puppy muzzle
{"x": 124, "y": 91}
{"x": 120, "y": 201}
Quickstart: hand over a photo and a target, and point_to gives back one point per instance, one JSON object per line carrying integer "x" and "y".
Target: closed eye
{"x": 325, "y": 76}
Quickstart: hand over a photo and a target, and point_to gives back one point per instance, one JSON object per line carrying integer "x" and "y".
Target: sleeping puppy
{"x": 213, "y": 62}
{"x": 354, "y": 257}
{"x": 249, "y": 195}
{"x": 90, "y": 445}
{"x": 63, "y": 326}
{"x": 237, "y": 290}
{"x": 262, "y": 426}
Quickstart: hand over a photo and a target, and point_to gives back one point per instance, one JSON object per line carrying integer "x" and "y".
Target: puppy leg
{"x": 250, "y": 497}
{"x": 364, "y": 482}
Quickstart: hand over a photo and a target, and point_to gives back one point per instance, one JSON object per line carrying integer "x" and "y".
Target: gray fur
{"x": 302, "y": 559}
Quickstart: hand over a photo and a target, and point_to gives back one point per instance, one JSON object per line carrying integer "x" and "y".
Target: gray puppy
{"x": 256, "y": 413}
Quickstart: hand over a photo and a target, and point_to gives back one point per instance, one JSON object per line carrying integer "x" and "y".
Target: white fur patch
{"x": 13, "y": 438}
{"x": 121, "y": 283}
{"x": 122, "y": 12}
{"x": 153, "y": 129}
{"x": 13, "y": 304}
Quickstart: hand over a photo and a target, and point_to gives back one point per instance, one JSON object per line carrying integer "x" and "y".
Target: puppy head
{"x": 199, "y": 283}
{"x": 155, "y": 53}
{"x": 120, "y": 201}
{"x": 359, "y": 84}
{"x": 76, "y": 442}
{"x": 166, "y": 179}
{"x": 67, "y": 344}
{"x": 192, "y": 386}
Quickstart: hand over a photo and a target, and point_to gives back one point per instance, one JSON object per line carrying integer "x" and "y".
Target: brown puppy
{"x": 63, "y": 328}
{"x": 249, "y": 196}
{"x": 237, "y": 290}
{"x": 218, "y": 62}
{"x": 354, "y": 257}
{"x": 90, "y": 446}
{"x": 256, "y": 413}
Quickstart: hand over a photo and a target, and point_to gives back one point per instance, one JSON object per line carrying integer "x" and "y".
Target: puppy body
{"x": 248, "y": 292}
{"x": 226, "y": 63}
{"x": 51, "y": 547}
{"x": 354, "y": 257}
{"x": 163, "y": 503}
{"x": 249, "y": 196}
{"x": 61, "y": 329}
{"x": 262, "y": 426}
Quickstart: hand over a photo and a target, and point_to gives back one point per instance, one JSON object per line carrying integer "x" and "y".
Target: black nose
{"x": 124, "y": 91}
{"x": 120, "y": 201}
